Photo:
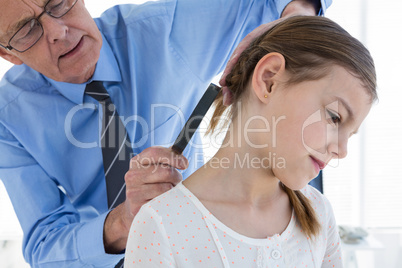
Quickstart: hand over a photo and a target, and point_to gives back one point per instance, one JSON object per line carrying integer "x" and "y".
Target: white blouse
{"x": 176, "y": 230}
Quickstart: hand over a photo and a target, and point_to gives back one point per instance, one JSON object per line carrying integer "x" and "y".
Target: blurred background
{"x": 365, "y": 189}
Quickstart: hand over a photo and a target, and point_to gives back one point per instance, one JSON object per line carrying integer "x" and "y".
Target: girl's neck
{"x": 247, "y": 199}
{"x": 241, "y": 168}
{"x": 236, "y": 174}
{"x": 241, "y": 190}
{"x": 245, "y": 174}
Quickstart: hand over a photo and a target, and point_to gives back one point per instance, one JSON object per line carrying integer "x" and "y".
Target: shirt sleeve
{"x": 324, "y": 5}
{"x": 54, "y": 235}
{"x": 205, "y": 39}
{"x": 148, "y": 243}
{"x": 333, "y": 255}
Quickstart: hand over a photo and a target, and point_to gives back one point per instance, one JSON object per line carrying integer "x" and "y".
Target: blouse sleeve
{"x": 333, "y": 255}
{"x": 148, "y": 243}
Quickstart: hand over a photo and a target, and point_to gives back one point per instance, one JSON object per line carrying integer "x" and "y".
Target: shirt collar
{"x": 106, "y": 69}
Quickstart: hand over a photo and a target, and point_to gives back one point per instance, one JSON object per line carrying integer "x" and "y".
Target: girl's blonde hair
{"x": 310, "y": 46}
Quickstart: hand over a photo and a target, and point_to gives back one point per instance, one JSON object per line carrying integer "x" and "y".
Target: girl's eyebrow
{"x": 349, "y": 110}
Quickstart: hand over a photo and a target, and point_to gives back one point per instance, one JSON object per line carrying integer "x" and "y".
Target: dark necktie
{"x": 116, "y": 147}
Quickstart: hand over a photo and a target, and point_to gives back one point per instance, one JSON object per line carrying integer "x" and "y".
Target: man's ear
{"x": 10, "y": 57}
{"x": 267, "y": 73}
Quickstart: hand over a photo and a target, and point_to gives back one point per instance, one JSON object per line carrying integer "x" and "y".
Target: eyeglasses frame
{"x": 9, "y": 47}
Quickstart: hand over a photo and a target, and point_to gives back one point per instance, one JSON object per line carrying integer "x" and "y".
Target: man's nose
{"x": 54, "y": 28}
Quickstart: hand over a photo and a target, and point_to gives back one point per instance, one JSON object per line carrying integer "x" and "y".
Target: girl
{"x": 299, "y": 92}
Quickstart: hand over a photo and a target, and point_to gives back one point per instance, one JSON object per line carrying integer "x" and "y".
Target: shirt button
{"x": 275, "y": 254}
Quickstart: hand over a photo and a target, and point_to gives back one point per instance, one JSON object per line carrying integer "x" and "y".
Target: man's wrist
{"x": 115, "y": 232}
{"x": 302, "y": 7}
{"x": 316, "y": 4}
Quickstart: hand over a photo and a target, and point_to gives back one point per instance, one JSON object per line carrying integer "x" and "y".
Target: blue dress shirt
{"x": 156, "y": 61}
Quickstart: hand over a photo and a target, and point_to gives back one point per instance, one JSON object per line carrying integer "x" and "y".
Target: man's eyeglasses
{"x": 30, "y": 33}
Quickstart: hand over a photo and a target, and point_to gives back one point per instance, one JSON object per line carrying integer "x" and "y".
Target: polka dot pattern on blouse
{"x": 176, "y": 230}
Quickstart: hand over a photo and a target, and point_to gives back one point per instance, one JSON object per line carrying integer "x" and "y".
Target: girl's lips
{"x": 319, "y": 164}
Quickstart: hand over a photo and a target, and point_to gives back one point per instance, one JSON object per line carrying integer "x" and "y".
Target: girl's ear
{"x": 10, "y": 57}
{"x": 267, "y": 73}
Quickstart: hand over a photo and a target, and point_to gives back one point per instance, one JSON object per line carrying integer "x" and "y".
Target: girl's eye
{"x": 335, "y": 118}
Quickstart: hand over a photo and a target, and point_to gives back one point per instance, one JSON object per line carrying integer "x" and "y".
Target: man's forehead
{"x": 14, "y": 12}
{"x": 31, "y": 2}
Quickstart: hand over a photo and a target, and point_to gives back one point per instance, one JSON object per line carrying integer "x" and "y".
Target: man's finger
{"x": 158, "y": 156}
{"x": 227, "y": 96}
{"x": 229, "y": 66}
{"x": 152, "y": 174}
{"x": 146, "y": 192}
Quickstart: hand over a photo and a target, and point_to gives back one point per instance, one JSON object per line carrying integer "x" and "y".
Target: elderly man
{"x": 151, "y": 64}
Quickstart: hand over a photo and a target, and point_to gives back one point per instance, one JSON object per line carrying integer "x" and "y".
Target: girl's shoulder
{"x": 176, "y": 193}
{"x": 319, "y": 202}
{"x": 177, "y": 199}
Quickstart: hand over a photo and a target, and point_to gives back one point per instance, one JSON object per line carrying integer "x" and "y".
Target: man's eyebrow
{"x": 13, "y": 29}
{"x": 18, "y": 25}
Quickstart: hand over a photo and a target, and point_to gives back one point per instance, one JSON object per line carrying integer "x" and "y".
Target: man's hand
{"x": 151, "y": 173}
{"x": 294, "y": 8}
